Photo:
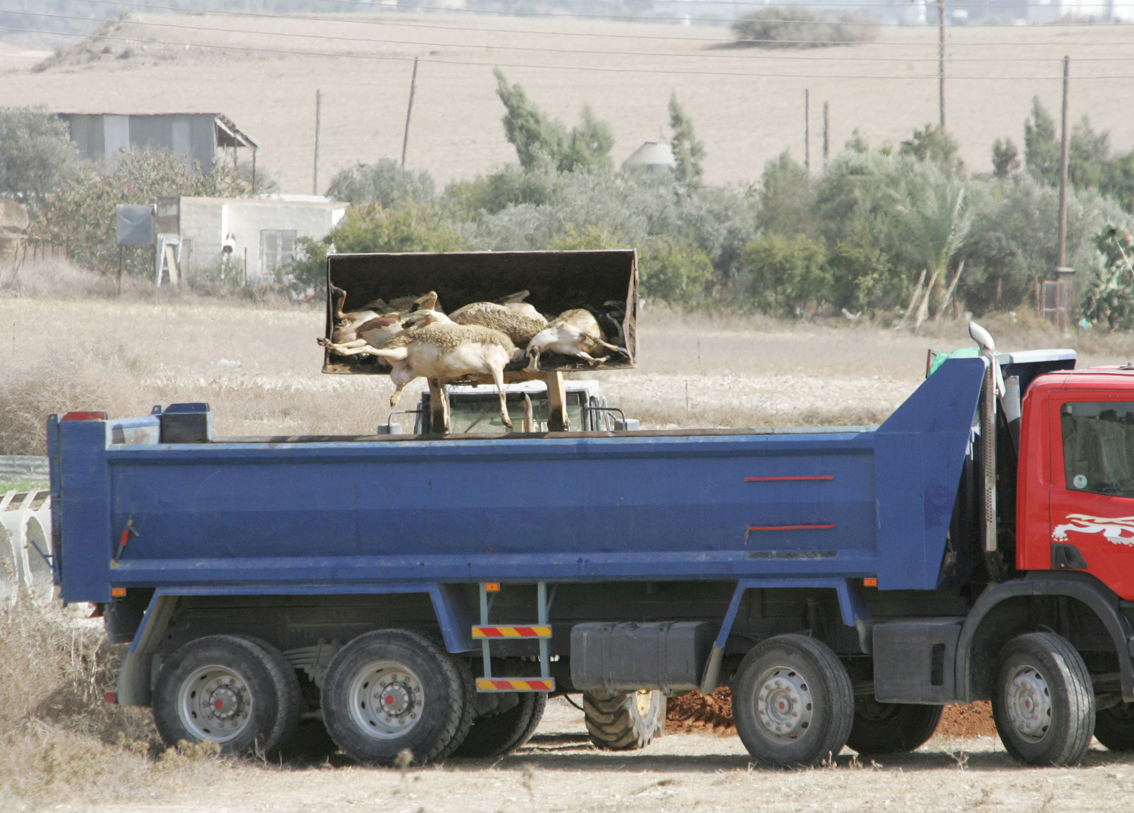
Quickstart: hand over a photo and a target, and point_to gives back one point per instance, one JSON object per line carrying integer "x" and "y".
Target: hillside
{"x": 747, "y": 105}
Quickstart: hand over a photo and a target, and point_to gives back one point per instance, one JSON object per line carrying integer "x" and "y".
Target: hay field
{"x": 747, "y": 105}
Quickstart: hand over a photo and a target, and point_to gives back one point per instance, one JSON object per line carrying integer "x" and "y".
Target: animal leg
{"x": 591, "y": 360}
{"x": 396, "y": 396}
{"x": 498, "y": 380}
{"x": 533, "y": 362}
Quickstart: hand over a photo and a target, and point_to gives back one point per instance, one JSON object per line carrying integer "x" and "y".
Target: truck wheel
{"x": 1043, "y": 703}
{"x": 503, "y": 733}
{"x": 792, "y": 702}
{"x": 624, "y": 721}
{"x": 393, "y": 690}
{"x": 288, "y": 693}
{"x": 225, "y": 689}
{"x": 1114, "y": 727}
{"x": 891, "y": 728}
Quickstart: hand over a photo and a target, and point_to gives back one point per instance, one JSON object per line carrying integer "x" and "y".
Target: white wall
{"x": 206, "y": 221}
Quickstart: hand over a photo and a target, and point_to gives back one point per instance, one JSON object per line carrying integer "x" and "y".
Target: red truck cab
{"x": 1075, "y": 507}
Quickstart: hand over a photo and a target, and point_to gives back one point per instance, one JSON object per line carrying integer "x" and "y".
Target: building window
{"x": 277, "y": 253}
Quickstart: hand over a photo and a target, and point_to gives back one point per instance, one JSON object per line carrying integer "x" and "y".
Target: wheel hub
{"x": 215, "y": 703}
{"x": 1028, "y": 703}
{"x": 783, "y": 704}
{"x": 387, "y": 700}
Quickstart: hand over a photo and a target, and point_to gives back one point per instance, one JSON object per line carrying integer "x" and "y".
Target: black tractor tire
{"x": 1114, "y": 727}
{"x": 792, "y": 702}
{"x": 393, "y": 691}
{"x": 290, "y": 700}
{"x": 891, "y": 728}
{"x": 1043, "y": 703}
{"x": 624, "y": 721}
{"x": 225, "y": 689}
{"x": 500, "y": 734}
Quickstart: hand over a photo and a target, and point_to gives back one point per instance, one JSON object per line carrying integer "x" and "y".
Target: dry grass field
{"x": 747, "y": 105}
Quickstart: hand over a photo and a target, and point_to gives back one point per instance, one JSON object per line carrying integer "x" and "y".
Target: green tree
{"x": 787, "y": 200}
{"x": 1108, "y": 300}
{"x": 36, "y": 154}
{"x": 687, "y": 150}
{"x": 935, "y": 145}
{"x": 1042, "y": 149}
{"x": 674, "y": 272}
{"x": 384, "y": 182}
{"x": 374, "y": 228}
{"x": 932, "y": 221}
{"x": 81, "y": 212}
{"x": 788, "y": 273}
{"x": 536, "y": 136}
{"x": 1005, "y": 158}
{"x": 1088, "y": 155}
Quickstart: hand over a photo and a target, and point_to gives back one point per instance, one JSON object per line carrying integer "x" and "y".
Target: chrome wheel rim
{"x": 215, "y": 703}
{"x": 784, "y": 705}
{"x": 386, "y": 700}
{"x": 1027, "y": 700}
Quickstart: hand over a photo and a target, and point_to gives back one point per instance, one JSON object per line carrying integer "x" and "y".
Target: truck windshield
{"x": 480, "y": 414}
{"x": 1098, "y": 447}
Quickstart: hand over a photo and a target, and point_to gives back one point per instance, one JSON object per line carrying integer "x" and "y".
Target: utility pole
{"x": 807, "y": 130}
{"x": 315, "y": 174}
{"x": 826, "y": 136}
{"x": 941, "y": 59}
{"x": 409, "y": 110}
{"x": 1062, "y": 261}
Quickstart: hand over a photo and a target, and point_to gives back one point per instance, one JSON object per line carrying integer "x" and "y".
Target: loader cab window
{"x": 1098, "y": 447}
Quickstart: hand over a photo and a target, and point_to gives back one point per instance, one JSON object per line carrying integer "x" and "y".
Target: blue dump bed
{"x": 354, "y": 515}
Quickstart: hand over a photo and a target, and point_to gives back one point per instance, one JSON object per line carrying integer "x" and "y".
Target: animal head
{"x": 426, "y": 302}
{"x": 424, "y": 318}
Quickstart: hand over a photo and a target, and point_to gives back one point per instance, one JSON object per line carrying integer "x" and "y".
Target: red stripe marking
{"x": 788, "y": 527}
{"x": 782, "y": 479}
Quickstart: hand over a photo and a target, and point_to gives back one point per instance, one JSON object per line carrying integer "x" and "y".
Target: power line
{"x": 582, "y": 52}
{"x": 581, "y": 68}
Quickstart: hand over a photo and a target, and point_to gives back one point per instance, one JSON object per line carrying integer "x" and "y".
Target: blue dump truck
{"x": 427, "y": 593}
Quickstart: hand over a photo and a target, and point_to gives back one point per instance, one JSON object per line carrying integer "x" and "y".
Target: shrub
{"x": 798, "y": 27}
{"x": 384, "y": 182}
{"x": 374, "y": 228}
{"x": 788, "y": 274}
{"x": 36, "y": 153}
{"x": 81, "y": 213}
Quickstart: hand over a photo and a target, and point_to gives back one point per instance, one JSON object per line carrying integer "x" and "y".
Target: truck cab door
{"x": 1092, "y": 489}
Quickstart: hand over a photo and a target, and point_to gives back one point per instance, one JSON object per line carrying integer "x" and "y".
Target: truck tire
{"x": 501, "y": 734}
{"x": 891, "y": 728}
{"x": 391, "y": 691}
{"x": 288, "y": 694}
{"x": 792, "y": 702}
{"x": 1114, "y": 727}
{"x": 1043, "y": 703}
{"x": 624, "y": 721}
{"x": 225, "y": 689}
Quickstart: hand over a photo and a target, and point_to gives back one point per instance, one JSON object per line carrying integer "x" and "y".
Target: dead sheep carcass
{"x": 510, "y": 315}
{"x": 373, "y": 326}
{"x": 431, "y": 346}
{"x": 573, "y": 333}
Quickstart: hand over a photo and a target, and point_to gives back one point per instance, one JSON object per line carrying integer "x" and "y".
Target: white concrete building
{"x": 260, "y": 233}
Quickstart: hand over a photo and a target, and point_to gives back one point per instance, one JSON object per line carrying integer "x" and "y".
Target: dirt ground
{"x": 560, "y": 771}
{"x": 746, "y": 105}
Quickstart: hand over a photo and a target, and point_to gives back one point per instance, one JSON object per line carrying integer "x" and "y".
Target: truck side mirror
{"x": 627, "y": 425}
{"x": 390, "y": 428}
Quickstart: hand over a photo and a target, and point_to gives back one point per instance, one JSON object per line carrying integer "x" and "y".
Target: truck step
{"x": 491, "y": 631}
{"x": 496, "y": 684}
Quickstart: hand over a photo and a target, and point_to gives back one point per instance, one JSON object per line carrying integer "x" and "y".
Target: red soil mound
{"x": 712, "y": 714}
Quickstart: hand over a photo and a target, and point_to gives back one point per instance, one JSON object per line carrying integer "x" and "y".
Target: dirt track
{"x": 560, "y": 771}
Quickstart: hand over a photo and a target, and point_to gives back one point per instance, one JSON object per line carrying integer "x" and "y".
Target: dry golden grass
{"x": 258, "y": 365}
{"x": 746, "y": 116}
